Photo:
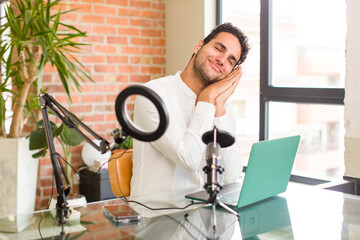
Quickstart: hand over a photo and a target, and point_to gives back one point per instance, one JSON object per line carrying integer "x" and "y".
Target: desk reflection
{"x": 265, "y": 220}
{"x": 197, "y": 226}
{"x": 269, "y": 218}
{"x": 262, "y": 221}
{"x": 314, "y": 214}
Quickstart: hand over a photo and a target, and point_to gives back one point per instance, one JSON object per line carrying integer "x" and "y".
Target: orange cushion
{"x": 120, "y": 172}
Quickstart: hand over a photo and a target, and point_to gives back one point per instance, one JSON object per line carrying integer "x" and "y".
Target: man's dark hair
{"x": 228, "y": 27}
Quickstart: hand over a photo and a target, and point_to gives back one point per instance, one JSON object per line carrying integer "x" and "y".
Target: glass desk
{"x": 302, "y": 212}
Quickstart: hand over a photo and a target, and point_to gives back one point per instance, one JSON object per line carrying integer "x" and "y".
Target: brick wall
{"x": 127, "y": 40}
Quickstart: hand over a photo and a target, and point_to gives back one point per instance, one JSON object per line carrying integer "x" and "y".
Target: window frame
{"x": 269, "y": 93}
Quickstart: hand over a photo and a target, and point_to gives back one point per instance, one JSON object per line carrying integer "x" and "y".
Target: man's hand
{"x": 219, "y": 92}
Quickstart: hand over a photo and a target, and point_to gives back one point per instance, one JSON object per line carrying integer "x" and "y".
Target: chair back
{"x": 120, "y": 172}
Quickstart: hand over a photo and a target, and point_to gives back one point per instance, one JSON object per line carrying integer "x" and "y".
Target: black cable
{"x": 156, "y": 209}
{"x": 77, "y": 172}
{"x": 97, "y": 172}
{"x": 110, "y": 160}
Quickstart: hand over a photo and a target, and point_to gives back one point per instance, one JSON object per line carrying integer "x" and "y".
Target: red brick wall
{"x": 127, "y": 40}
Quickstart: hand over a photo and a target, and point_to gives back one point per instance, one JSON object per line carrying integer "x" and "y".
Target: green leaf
{"x": 73, "y": 28}
{"x": 41, "y": 71}
{"x": 37, "y": 140}
{"x": 44, "y": 56}
{"x": 86, "y": 223}
{"x": 70, "y": 137}
{"x": 28, "y": 16}
{"x": 10, "y": 17}
{"x": 53, "y": 3}
{"x": 56, "y": 22}
{"x": 2, "y": 111}
{"x": 9, "y": 60}
{"x": 58, "y": 130}
{"x": 127, "y": 143}
{"x": 40, "y": 124}
{"x": 47, "y": 12}
{"x": 41, "y": 153}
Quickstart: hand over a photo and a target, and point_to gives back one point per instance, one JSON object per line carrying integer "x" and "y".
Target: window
{"x": 321, "y": 148}
{"x": 298, "y": 57}
{"x": 308, "y": 43}
{"x": 245, "y": 102}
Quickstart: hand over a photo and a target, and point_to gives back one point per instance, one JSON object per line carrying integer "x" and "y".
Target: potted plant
{"x": 120, "y": 168}
{"x": 32, "y": 35}
{"x": 126, "y": 144}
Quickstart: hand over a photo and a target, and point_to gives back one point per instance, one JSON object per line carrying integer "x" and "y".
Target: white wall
{"x": 187, "y": 22}
{"x": 352, "y": 91}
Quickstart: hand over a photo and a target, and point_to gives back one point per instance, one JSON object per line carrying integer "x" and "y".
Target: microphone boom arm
{"x": 71, "y": 121}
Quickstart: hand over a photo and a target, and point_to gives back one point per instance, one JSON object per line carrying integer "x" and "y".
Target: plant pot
{"x": 120, "y": 171}
{"x": 18, "y": 177}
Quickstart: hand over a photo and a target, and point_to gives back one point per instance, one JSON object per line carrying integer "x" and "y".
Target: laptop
{"x": 267, "y": 174}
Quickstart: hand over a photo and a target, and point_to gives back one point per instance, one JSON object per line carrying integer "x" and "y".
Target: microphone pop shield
{"x": 224, "y": 138}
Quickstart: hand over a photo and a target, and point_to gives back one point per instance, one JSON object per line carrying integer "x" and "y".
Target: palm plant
{"x": 33, "y": 36}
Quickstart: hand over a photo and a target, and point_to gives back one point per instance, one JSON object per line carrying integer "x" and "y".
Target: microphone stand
{"x": 214, "y": 140}
{"x": 71, "y": 121}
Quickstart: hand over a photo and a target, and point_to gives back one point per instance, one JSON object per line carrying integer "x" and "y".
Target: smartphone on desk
{"x": 121, "y": 213}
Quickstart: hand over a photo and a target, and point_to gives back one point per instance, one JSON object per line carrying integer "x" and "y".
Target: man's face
{"x": 216, "y": 59}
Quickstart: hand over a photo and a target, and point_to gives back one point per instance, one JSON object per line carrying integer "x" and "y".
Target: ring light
{"x": 127, "y": 124}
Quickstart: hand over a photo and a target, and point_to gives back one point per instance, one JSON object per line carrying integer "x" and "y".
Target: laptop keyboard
{"x": 230, "y": 198}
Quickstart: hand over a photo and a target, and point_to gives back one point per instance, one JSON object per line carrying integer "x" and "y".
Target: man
{"x": 196, "y": 101}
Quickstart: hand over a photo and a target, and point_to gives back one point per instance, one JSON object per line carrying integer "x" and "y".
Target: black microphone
{"x": 213, "y": 169}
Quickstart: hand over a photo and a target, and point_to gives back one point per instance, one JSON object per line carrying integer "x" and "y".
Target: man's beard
{"x": 201, "y": 69}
